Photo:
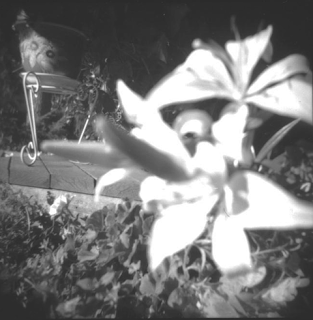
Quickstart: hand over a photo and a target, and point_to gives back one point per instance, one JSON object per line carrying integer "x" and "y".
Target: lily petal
{"x": 281, "y": 70}
{"x": 136, "y": 109}
{"x": 202, "y": 76}
{"x": 158, "y": 194}
{"x": 97, "y": 153}
{"x": 209, "y": 159}
{"x": 152, "y": 129}
{"x": 109, "y": 178}
{"x": 217, "y": 50}
{"x": 246, "y": 53}
{"x": 292, "y": 98}
{"x": 178, "y": 226}
{"x": 164, "y": 164}
{"x": 244, "y": 199}
{"x": 229, "y": 132}
{"x": 230, "y": 246}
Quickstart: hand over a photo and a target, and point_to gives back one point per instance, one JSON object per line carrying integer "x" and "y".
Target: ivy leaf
{"x": 96, "y": 220}
{"x": 121, "y": 213}
{"x": 233, "y": 287}
{"x": 147, "y": 223}
{"x": 107, "y": 255}
{"x": 293, "y": 262}
{"x": 176, "y": 298}
{"x": 285, "y": 291}
{"x": 215, "y": 306}
{"x": 86, "y": 284}
{"x": 146, "y": 286}
{"x": 70, "y": 243}
{"x": 67, "y": 309}
{"x": 134, "y": 267}
{"x": 107, "y": 278}
{"x": 84, "y": 255}
{"x": 133, "y": 212}
{"x": 110, "y": 220}
{"x": 125, "y": 239}
{"x": 275, "y": 164}
{"x": 90, "y": 235}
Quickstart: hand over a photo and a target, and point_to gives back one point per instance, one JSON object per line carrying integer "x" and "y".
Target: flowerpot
{"x": 50, "y": 48}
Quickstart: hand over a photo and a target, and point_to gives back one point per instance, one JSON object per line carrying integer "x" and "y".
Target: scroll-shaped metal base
{"x": 32, "y": 154}
{"x": 33, "y": 85}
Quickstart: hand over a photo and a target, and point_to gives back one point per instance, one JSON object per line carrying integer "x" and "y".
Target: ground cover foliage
{"x": 65, "y": 265}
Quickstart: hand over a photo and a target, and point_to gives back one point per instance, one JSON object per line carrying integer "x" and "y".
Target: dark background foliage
{"x": 125, "y": 39}
{"x": 144, "y": 20}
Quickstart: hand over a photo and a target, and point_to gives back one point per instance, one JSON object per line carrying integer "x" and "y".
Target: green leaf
{"x": 96, "y": 220}
{"x": 70, "y": 243}
{"x": 86, "y": 284}
{"x": 275, "y": 164}
{"x": 121, "y": 212}
{"x": 147, "y": 224}
{"x": 249, "y": 280}
{"x": 215, "y": 306}
{"x": 293, "y": 262}
{"x": 107, "y": 278}
{"x": 274, "y": 140}
{"x": 107, "y": 255}
{"x": 113, "y": 233}
{"x": 110, "y": 219}
{"x": 90, "y": 235}
{"x": 146, "y": 286}
{"x": 285, "y": 291}
{"x": 176, "y": 298}
{"x": 67, "y": 309}
{"x": 84, "y": 255}
{"x": 125, "y": 239}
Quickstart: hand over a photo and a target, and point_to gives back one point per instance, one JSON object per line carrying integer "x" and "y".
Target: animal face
{"x": 41, "y": 55}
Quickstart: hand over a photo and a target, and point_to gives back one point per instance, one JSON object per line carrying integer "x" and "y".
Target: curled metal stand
{"x": 30, "y": 93}
{"x": 33, "y": 85}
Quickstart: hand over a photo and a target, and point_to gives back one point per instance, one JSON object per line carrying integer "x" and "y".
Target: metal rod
{"x": 32, "y": 146}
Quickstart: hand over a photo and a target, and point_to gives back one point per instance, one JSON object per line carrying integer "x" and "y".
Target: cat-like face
{"x": 41, "y": 55}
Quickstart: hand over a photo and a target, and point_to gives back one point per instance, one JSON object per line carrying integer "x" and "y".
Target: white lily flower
{"x": 184, "y": 188}
{"x": 210, "y": 71}
{"x": 188, "y": 178}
